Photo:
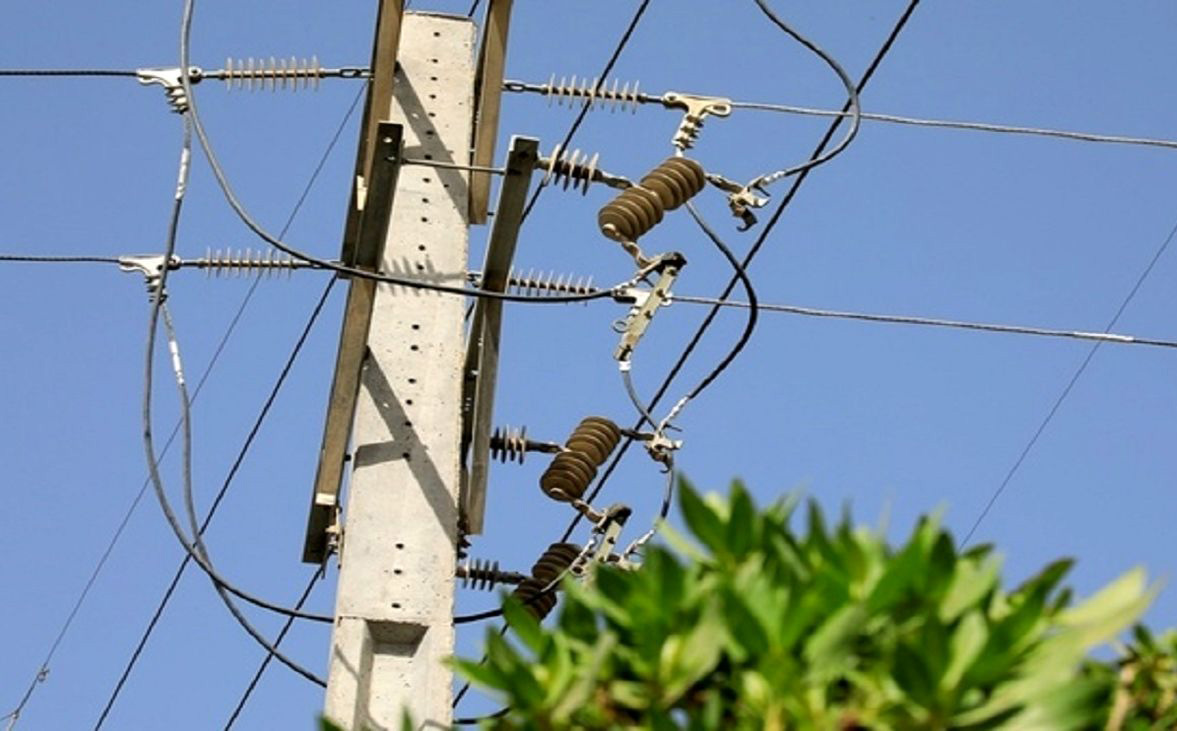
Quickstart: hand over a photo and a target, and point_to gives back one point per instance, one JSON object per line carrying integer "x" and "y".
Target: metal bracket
{"x": 170, "y": 80}
{"x": 152, "y": 267}
{"x": 644, "y": 303}
{"x": 367, "y": 253}
{"x": 741, "y": 198}
{"x": 482, "y": 353}
{"x": 609, "y": 528}
{"x": 696, "y": 108}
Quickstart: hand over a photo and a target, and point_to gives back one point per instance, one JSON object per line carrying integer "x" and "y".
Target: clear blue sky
{"x": 892, "y": 420}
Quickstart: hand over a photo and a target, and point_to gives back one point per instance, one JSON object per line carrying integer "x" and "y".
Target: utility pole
{"x": 394, "y": 608}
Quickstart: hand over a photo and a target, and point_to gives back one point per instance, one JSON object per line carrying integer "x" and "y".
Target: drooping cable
{"x": 764, "y": 233}
{"x": 1058, "y": 402}
{"x": 222, "y": 587}
{"x": 276, "y": 241}
{"x": 741, "y": 274}
{"x": 261, "y": 669}
{"x": 158, "y": 309}
{"x": 297, "y": 349}
{"x": 265, "y": 410}
{"x": 853, "y": 108}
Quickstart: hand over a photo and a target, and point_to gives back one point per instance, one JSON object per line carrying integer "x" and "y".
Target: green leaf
{"x": 971, "y": 581}
{"x": 968, "y": 640}
{"x": 827, "y": 646}
{"x": 742, "y": 533}
{"x": 687, "y": 658}
{"x": 525, "y": 625}
{"x": 701, "y": 519}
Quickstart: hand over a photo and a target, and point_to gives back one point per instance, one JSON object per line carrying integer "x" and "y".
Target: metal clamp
{"x": 171, "y": 81}
{"x": 152, "y": 268}
{"x": 741, "y": 198}
{"x": 696, "y": 108}
{"x": 644, "y": 303}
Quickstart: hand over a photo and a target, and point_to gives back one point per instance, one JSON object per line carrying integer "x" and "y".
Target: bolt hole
{"x": 433, "y": 96}
{"x": 416, "y": 326}
{"x": 406, "y": 456}
{"x": 420, "y": 247}
{"x": 412, "y": 380}
{"x": 396, "y": 605}
{"x": 398, "y": 572}
{"x": 433, "y": 78}
{"x": 400, "y": 545}
{"x": 424, "y": 219}
{"x": 426, "y": 180}
{"x": 414, "y": 348}
{"x": 432, "y": 114}
{"x": 433, "y": 60}
{"x": 429, "y": 157}
{"x": 429, "y": 132}
{"x": 408, "y": 424}
{"x": 408, "y": 402}
{"x": 424, "y": 200}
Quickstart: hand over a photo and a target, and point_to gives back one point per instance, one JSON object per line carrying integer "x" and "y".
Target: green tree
{"x": 749, "y": 623}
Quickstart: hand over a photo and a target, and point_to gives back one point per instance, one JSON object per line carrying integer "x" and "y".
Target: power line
{"x": 244, "y": 303}
{"x": 1107, "y": 337}
{"x": 621, "y": 44}
{"x": 215, "y": 504}
{"x": 1058, "y": 402}
{"x": 45, "y": 259}
{"x": 257, "y": 676}
{"x": 43, "y": 670}
{"x": 977, "y": 126}
{"x": 780, "y": 209}
{"x": 68, "y": 72}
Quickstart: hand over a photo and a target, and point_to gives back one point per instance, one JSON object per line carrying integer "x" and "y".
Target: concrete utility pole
{"x": 394, "y": 609}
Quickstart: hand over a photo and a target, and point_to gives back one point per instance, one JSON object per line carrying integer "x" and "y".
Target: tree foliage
{"x": 749, "y": 623}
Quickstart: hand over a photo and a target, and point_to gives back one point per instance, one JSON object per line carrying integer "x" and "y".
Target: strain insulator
{"x": 615, "y": 96}
{"x": 574, "y": 469}
{"x": 638, "y": 209}
{"x": 484, "y": 575}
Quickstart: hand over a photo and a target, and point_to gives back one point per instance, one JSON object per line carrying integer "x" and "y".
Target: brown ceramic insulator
{"x": 568, "y": 476}
{"x": 638, "y": 209}
{"x": 596, "y": 437}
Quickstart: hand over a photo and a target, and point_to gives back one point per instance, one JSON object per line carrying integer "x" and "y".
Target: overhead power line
{"x": 1107, "y": 337}
{"x": 68, "y": 72}
{"x": 976, "y": 126}
{"x": 257, "y": 676}
{"x": 1058, "y": 402}
{"x": 47, "y": 259}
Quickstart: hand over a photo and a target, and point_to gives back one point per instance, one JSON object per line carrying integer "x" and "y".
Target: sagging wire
{"x": 253, "y": 225}
{"x": 158, "y": 309}
{"x": 169, "y": 591}
{"x": 852, "y": 94}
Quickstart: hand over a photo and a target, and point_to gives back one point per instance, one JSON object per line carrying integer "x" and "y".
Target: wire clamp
{"x": 172, "y": 82}
{"x": 644, "y": 303}
{"x": 152, "y": 268}
{"x": 741, "y": 198}
{"x": 696, "y": 108}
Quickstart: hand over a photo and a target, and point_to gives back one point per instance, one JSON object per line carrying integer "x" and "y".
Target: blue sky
{"x": 892, "y": 420}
